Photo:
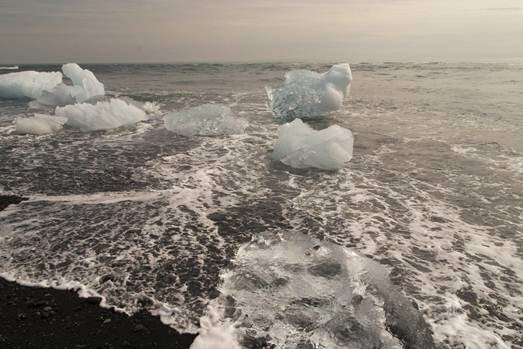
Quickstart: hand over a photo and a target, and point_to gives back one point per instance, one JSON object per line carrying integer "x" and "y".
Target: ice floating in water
{"x": 308, "y": 94}
{"x": 28, "y": 84}
{"x": 300, "y": 146}
{"x": 47, "y": 87}
{"x": 39, "y": 124}
{"x": 14, "y": 67}
{"x": 305, "y": 293}
{"x": 215, "y": 334}
{"x": 102, "y": 115}
{"x": 204, "y": 120}
{"x": 85, "y": 86}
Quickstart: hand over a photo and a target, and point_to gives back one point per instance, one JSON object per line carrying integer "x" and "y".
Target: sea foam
{"x": 215, "y": 334}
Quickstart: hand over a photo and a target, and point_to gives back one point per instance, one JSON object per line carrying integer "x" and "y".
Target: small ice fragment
{"x": 39, "y": 124}
{"x": 151, "y": 108}
{"x": 102, "y": 115}
{"x": 27, "y": 84}
{"x": 204, "y": 120}
{"x": 307, "y": 94}
{"x": 300, "y": 146}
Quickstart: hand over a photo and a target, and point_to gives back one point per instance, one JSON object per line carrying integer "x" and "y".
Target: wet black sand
{"x": 34, "y": 317}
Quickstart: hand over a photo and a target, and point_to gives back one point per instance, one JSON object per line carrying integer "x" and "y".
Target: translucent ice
{"x": 300, "y": 146}
{"x": 14, "y": 67}
{"x": 205, "y": 120}
{"x": 85, "y": 86}
{"x": 39, "y": 124}
{"x": 27, "y": 84}
{"x": 306, "y": 293}
{"x": 102, "y": 115}
{"x": 307, "y": 94}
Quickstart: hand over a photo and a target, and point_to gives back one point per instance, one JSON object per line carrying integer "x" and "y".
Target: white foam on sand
{"x": 215, "y": 333}
{"x": 63, "y": 284}
{"x": 39, "y": 124}
{"x": 204, "y": 120}
{"x": 310, "y": 94}
{"x": 102, "y": 115}
{"x": 27, "y": 84}
{"x": 300, "y": 146}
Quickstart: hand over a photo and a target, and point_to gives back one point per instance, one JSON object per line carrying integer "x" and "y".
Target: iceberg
{"x": 39, "y": 124}
{"x": 300, "y": 146}
{"x": 102, "y": 115}
{"x": 48, "y": 89}
{"x": 85, "y": 86}
{"x": 204, "y": 120}
{"x": 28, "y": 84}
{"x": 307, "y": 94}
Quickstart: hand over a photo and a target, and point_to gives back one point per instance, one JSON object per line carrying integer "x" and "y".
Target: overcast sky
{"x": 41, "y": 31}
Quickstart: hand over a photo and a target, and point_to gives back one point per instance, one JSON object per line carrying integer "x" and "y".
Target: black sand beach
{"x": 35, "y": 317}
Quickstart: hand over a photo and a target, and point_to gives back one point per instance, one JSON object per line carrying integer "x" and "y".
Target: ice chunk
{"x": 308, "y": 94}
{"x": 28, "y": 84}
{"x": 47, "y": 87}
{"x": 85, "y": 86}
{"x": 205, "y": 120}
{"x": 302, "y": 292}
{"x": 14, "y": 67}
{"x": 300, "y": 146}
{"x": 39, "y": 124}
{"x": 102, "y": 115}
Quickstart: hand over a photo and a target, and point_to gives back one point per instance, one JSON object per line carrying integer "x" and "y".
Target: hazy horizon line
{"x": 283, "y": 61}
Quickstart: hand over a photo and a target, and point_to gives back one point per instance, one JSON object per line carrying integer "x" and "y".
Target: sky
{"x": 119, "y": 31}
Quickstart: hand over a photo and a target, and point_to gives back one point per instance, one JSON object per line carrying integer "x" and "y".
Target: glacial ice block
{"x": 27, "y": 84}
{"x": 85, "y": 86}
{"x": 102, "y": 115}
{"x": 300, "y": 146}
{"x": 39, "y": 124}
{"x": 204, "y": 120}
{"x": 307, "y": 94}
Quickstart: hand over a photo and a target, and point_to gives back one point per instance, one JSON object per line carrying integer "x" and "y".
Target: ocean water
{"x": 416, "y": 243}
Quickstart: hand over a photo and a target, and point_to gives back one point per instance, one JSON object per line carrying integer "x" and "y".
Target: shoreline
{"x": 38, "y": 317}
